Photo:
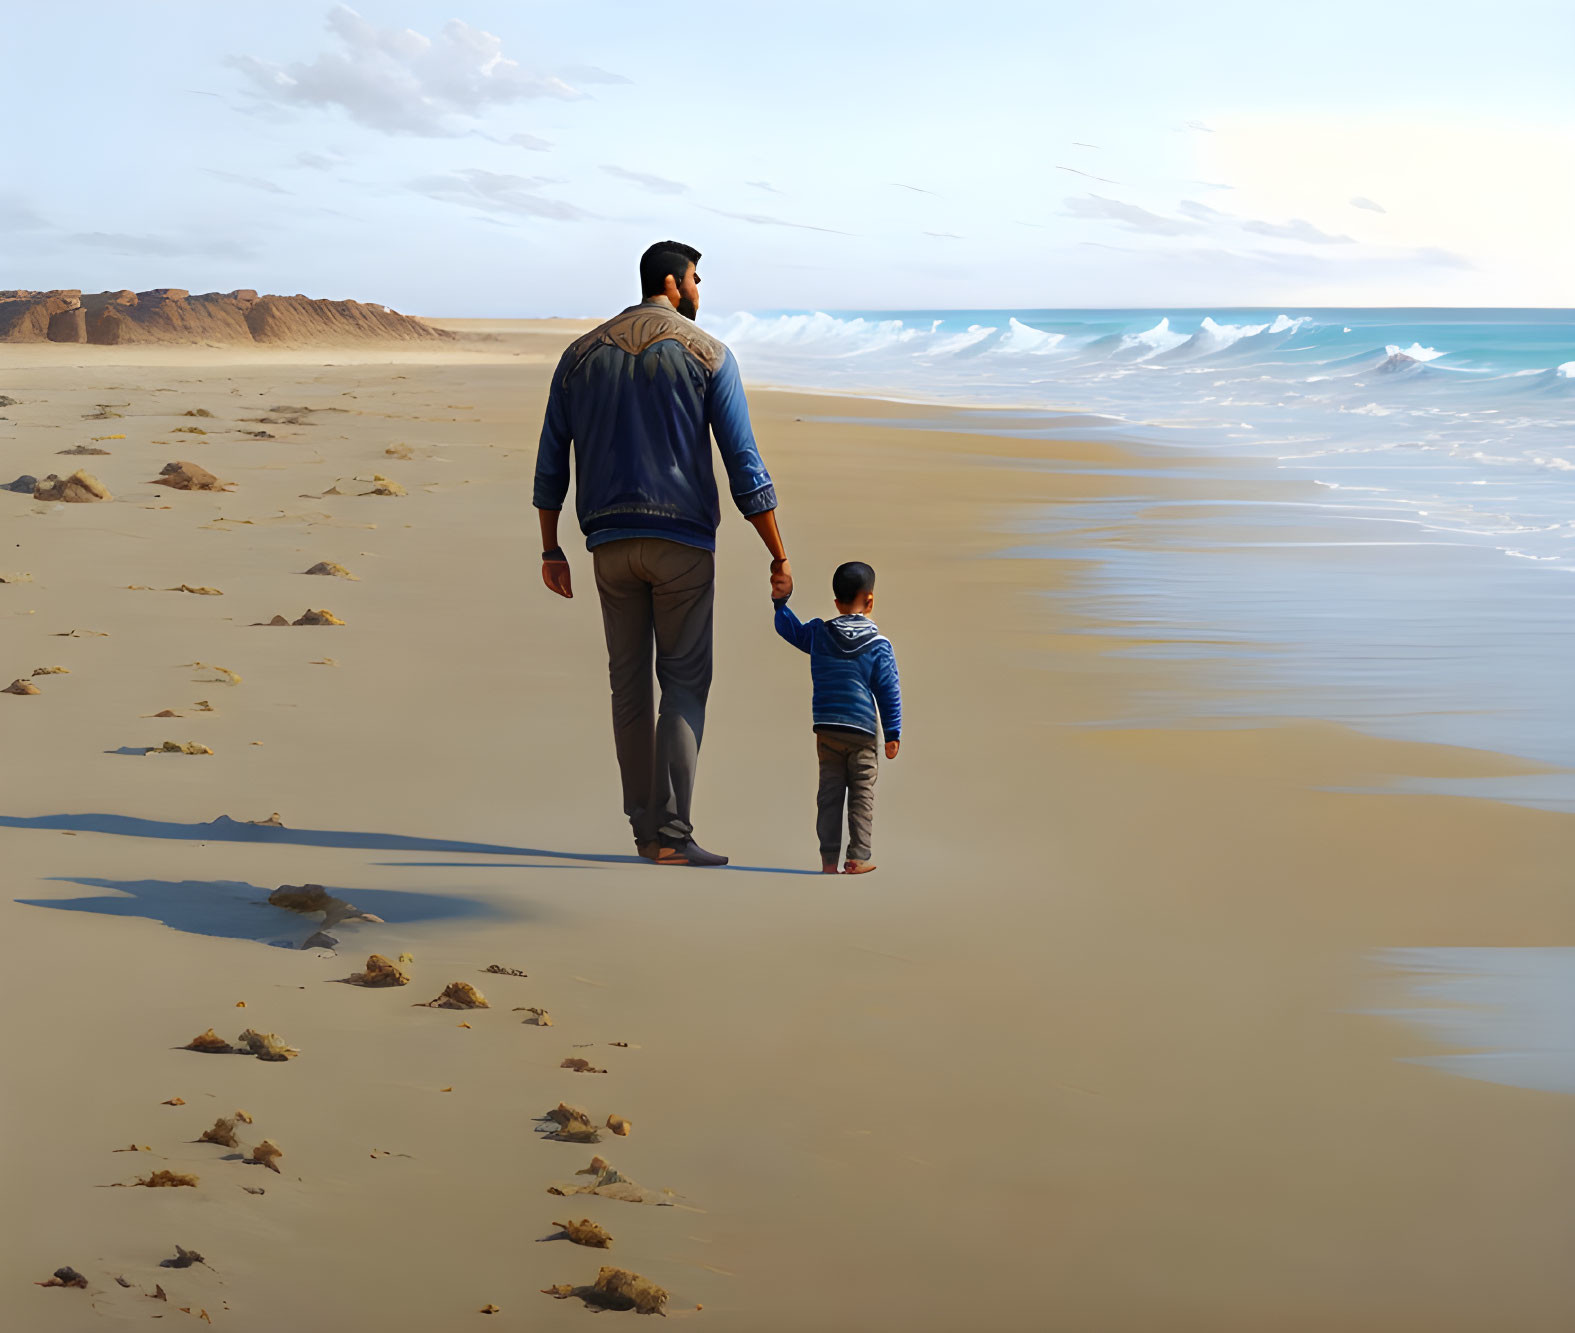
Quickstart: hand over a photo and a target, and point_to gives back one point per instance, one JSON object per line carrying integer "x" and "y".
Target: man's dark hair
{"x": 852, "y": 581}
{"x": 665, "y": 259}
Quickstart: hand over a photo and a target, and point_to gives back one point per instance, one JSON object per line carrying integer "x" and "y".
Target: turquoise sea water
{"x": 1419, "y": 584}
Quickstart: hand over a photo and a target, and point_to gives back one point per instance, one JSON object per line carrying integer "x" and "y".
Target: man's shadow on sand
{"x": 225, "y": 829}
{"x": 228, "y": 909}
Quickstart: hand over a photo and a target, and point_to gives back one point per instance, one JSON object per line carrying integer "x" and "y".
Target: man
{"x": 637, "y": 398}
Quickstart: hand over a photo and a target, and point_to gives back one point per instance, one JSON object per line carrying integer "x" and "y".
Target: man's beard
{"x": 687, "y": 308}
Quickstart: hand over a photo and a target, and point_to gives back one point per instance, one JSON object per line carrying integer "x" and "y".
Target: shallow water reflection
{"x": 1515, "y": 1009}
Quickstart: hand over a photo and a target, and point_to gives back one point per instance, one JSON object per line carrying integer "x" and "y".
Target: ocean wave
{"x": 1024, "y": 339}
{"x": 817, "y": 332}
{"x": 1415, "y": 352}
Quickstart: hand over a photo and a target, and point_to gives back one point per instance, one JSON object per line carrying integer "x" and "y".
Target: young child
{"x": 854, "y": 673}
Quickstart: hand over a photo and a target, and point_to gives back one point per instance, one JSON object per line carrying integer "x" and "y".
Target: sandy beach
{"x": 1092, "y": 1052}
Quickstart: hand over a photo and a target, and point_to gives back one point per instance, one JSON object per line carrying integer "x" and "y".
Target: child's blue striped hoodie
{"x": 853, "y": 669}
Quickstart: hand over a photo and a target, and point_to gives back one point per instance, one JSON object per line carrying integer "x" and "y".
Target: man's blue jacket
{"x": 637, "y": 398}
{"x": 853, "y": 669}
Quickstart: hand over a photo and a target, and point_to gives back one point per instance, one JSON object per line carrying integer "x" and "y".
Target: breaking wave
{"x": 1357, "y": 385}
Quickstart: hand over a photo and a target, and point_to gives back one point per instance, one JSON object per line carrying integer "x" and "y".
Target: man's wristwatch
{"x": 554, "y": 557}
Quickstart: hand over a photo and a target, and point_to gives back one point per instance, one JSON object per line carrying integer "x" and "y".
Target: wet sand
{"x": 1088, "y": 1052}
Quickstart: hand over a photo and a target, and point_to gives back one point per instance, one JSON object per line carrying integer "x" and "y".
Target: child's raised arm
{"x": 791, "y": 628}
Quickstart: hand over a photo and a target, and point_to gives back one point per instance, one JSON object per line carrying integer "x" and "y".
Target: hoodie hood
{"x": 851, "y": 635}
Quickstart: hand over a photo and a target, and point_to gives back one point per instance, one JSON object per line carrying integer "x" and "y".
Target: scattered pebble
{"x": 570, "y": 1124}
{"x": 458, "y": 995}
{"x": 616, "y": 1289}
{"x": 267, "y": 1154}
{"x": 188, "y": 477}
{"x": 64, "y": 1277}
{"x": 586, "y": 1232}
{"x": 79, "y": 488}
{"x": 222, "y": 1133}
{"x": 379, "y": 972}
{"x": 165, "y": 1180}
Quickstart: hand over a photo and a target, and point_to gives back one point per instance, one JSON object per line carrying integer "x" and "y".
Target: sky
{"x": 483, "y": 157}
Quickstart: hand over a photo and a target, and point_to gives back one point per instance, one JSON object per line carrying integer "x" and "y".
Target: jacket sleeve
{"x": 728, "y": 415}
{"x": 552, "y": 453}
{"x": 791, "y": 628}
{"x": 887, "y": 690}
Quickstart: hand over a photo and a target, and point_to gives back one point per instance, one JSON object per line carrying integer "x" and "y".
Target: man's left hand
{"x": 555, "y": 574}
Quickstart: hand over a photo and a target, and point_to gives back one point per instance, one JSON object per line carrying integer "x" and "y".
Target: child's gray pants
{"x": 849, "y": 766}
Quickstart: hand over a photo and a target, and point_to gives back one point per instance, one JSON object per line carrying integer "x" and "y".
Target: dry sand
{"x": 1085, "y": 1054}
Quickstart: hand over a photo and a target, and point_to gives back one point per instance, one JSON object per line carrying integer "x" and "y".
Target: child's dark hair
{"x": 852, "y": 581}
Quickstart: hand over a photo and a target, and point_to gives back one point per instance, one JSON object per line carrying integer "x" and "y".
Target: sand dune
{"x": 174, "y": 315}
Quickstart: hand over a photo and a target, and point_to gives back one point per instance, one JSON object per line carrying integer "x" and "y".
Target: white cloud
{"x": 162, "y": 247}
{"x": 400, "y": 82}
{"x": 655, "y": 184}
{"x": 1368, "y": 204}
{"x": 1103, "y": 180}
{"x": 16, "y": 214}
{"x": 1476, "y": 196}
{"x": 528, "y": 141}
{"x": 321, "y": 161}
{"x": 767, "y": 186}
{"x": 1097, "y": 207}
{"x": 250, "y": 182}
{"x": 763, "y": 220}
{"x": 592, "y": 74}
{"x": 1297, "y": 229}
{"x": 499, "y": 192}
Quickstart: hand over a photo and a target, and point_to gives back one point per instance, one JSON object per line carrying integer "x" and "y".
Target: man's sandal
{"x": 857, "y": 868}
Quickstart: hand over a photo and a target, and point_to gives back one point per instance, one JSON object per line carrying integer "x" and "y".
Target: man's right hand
{"x": 555, "y": 574}
{"x": 781, "y": 580}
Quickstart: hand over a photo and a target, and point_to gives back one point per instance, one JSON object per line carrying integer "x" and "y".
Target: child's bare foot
{"x": 830, "y": 868}
{"x": 857, "y": 868}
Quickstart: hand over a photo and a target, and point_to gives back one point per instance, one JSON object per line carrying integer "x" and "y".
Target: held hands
{"x": 555, "y": 574}
{"x": 781, "y": 580}
{"x": 891, "y": 749}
